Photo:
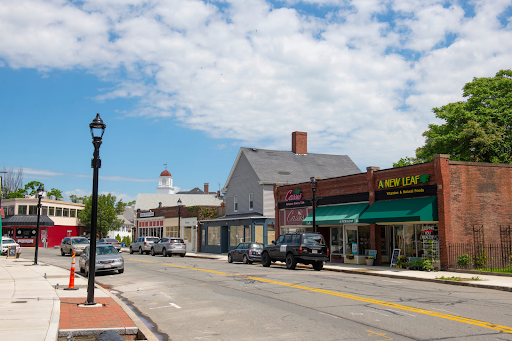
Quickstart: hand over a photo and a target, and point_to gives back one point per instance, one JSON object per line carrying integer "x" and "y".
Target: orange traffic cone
{"x": 72, "y": 275}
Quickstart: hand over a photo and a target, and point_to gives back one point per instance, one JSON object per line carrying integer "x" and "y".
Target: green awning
{"x": 334, "y": 215}
{"x": 401, "y": 210}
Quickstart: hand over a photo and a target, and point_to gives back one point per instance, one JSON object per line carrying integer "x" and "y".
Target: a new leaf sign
{"x": 405, "y": 181}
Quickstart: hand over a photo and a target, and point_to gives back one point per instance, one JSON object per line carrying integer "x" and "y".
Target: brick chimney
{"x": 299, "y": 142}
{"x": 206, "y": 188}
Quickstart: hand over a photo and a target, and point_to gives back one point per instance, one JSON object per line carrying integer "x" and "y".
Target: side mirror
{"x": 274, "y": 242}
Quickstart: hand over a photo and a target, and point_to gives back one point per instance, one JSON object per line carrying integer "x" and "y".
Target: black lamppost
{"x": 179, "y": 216}
{"x": 313, "y": 188}
{"x": 97, "y": 130}
{"x": 40, "y": 191}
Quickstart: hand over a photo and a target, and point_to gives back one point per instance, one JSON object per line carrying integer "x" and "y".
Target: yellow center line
{"x": 352, "y": 297}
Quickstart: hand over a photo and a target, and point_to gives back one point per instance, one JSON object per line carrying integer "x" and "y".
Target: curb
{"x": 142, "y": 328}
{"x": 53, "y": 329}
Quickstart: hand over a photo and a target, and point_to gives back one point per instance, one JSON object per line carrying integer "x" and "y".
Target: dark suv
{"x": 293, "y": 248}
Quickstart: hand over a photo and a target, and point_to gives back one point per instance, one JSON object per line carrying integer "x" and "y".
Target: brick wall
{"x": 481, "y": 193}
{"x": 300, "y": 142}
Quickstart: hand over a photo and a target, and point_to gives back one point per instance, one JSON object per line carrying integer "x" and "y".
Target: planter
{"x": 369, "y": 262}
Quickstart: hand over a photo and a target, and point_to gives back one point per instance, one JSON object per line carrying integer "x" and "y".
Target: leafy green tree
{"x": 107, "y": 214}
{"x": 406, "y": 161}
{"x": 56, "y": 192}
{"x": 20, "y": 193}
{"x": 32, "y": 186}
{"x": 477, "y": 129}
{"x": 120, "y": 206}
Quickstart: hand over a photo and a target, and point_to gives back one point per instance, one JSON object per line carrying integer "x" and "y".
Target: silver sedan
{"x": 168, "y": 246}
{"x": 107, "y": 259}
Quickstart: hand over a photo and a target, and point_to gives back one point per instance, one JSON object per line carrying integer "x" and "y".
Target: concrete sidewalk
{"x": 488, "y": 281}
{"x": 35, "y": 306}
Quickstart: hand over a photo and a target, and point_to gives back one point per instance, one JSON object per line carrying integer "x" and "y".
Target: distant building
{"x": 148, "y": 223}
{"x": 126, "y": 229}
{"x": 58, "y": 220}
{"x": 249, "y": 192}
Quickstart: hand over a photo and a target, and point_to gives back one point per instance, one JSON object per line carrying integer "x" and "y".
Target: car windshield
{"x": 315, "y": 239}
{"x": 105, "y": 250}
{"x": 7, "y": 240}
{"x": 152, "y": 239}
{"x": 79, "y": 241}
{"x": 257, "y": 246}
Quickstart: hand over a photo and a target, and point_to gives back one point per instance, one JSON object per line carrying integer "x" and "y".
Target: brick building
{"x": 422, "y": 210}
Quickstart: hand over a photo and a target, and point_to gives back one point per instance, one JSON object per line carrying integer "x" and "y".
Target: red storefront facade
{"x": 420, "y": 209}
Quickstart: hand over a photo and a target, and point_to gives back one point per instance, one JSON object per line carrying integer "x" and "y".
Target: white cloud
{"x": 256, "y": 73}
{"x": 44, "y": 173}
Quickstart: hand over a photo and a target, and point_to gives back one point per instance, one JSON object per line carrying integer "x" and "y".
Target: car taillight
{"x": 144, "y": 243}
{"x": 300, "y": 249}
{"x": 327, "y": 251}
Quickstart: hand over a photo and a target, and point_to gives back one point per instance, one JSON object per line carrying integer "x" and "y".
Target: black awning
{"x": 27, "y": 220}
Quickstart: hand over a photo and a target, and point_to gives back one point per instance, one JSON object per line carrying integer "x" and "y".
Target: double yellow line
{"x": 352, "y": 297}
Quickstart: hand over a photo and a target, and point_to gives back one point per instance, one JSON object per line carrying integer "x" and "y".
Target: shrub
{"x": 481, "y": 260}
{"x": 427, "y": 265}
{"x": 464, "y": 260}
{"x": 118, "y": 238}
{"x": 126, "y": 240}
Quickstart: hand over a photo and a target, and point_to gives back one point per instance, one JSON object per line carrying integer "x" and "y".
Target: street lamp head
{"x": 97, "y": 127}
{"x": 313, "y": 182}
{"x": 179, "y": 202}
{"x": 40, "y": 190}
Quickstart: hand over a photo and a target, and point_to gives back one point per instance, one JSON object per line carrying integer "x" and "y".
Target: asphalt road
{"x": 203, "y": 299}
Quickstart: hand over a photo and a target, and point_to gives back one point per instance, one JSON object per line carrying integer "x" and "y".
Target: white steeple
{"x": 165, "y": 182}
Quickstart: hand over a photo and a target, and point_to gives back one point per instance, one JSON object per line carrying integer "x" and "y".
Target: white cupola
{"x": 165, "y": 183}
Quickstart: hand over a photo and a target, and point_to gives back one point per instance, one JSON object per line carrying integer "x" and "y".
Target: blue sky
{"x": 189, "y": 82}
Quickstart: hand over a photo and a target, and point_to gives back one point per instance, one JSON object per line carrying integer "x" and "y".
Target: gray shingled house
{"x": 249, "y": 191}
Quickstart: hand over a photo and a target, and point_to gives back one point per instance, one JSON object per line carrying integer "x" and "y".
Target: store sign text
{"x": 147, "y": 214}
{"x": 295, "y": 217}
{"x": 293, "y": 195}
{"x": 405, "y": 181}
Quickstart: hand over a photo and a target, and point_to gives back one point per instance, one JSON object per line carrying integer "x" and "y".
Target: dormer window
{"x": 236, "y": 203}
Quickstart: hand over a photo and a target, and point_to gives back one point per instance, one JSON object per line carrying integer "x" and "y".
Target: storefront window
{"x": 32, "y": 210}
{"x": 65, "y": 212}
{"x": 351, "y": 242}
{"x": 22, "y": 210}
{"x": 171, "y": 231}
{"x": 72, "y": 213}
{"x": 410, "y": 245}
{"x": 236, "y": 235}
{"x": 336, "y": 243}
{"x": 44, "y": 210}
{"x": 258, "y": 233}
{"x": 399, "y": 238}
{"x": 364, "y": 239}
{"x": 247, "y": 234}
{"x": 51, "y": 211}
{"x": 271, "y": 234}
{"x": 58, "y": 212}
{"x": 213, "y": 235}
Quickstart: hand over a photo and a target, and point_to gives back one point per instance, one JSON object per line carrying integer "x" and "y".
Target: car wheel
{"x": 290, "y": 261}
{"x": 318, "y": 265}
{"x": 82, "y": 270}
{"x": 265, "y": 259}
{"x": 152, "y": 252}
{"x": 245, "y": 260}
{"x": 140, "y": 251}
{"x": 62, "y": 253}
{"x": 131, "y": 251}
{"x": 182, "y": 255}
{"x": 164, "y": 252}
{"x": 250, "y": 262}
{"x": 121, "y": 271}
{"x": 230, "y": 258}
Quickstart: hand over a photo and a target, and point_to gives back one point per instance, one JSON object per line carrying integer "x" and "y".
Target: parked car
{"x": 293, "y": 248}
{"x": 107, "y": 259}
{"x": 143, "y": 244}
{"x": 73, "y": 244}
{"x": 246, "y": 253}
{"x": 168, "y": 246}
{"x": 6, "y": 242}
{"x": 111, "y": 241}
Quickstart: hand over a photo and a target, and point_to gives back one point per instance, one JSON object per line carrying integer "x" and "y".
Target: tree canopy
{"x": 31, "y": 189}
{"x": 107, "y": 212}
{"x": 477, "y": 129}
